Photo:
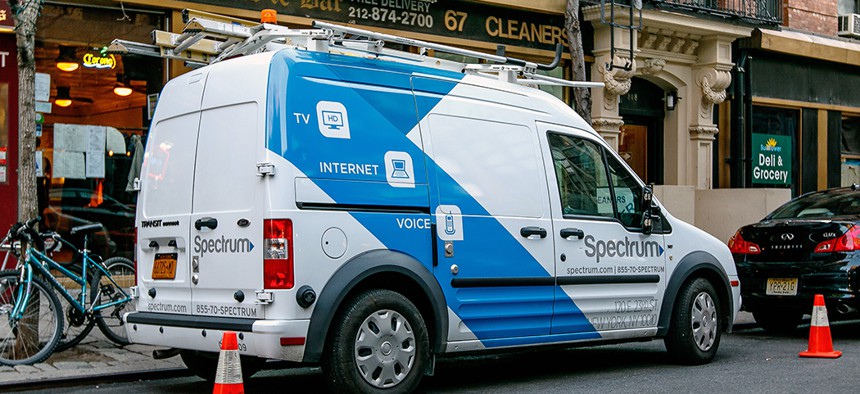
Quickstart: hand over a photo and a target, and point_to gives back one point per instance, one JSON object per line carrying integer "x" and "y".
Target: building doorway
{"x": 641, "y": 140}
{"x": 633, "y": 148}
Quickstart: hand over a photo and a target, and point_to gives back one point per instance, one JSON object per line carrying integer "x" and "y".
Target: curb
{"x": 108, "y": 377}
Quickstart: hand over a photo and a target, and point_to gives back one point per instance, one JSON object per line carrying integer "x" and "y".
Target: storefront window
{"x": 93, "y": 133}
{"x": 850, "y": 150}
{"x": 557, "y": 91}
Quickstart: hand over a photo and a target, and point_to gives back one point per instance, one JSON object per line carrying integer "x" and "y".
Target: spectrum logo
{"x": 621, "y": 248}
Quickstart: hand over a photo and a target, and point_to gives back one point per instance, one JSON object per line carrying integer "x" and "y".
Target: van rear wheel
{"x": 694, "y": 332}
{"x": 379, "y": 343}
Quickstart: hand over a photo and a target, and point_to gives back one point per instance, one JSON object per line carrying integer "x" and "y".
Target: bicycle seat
{"x": 86, "y": 229}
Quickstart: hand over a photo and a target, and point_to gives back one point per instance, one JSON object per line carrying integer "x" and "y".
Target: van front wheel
{"x": 379, "y": 343}
{"x": 694, "y": 333}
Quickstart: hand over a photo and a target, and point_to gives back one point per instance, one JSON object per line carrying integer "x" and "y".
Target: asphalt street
{"x": 749, "y": 360}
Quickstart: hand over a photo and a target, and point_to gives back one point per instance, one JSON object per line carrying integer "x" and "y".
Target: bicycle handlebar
{"x": 25, "y": 231}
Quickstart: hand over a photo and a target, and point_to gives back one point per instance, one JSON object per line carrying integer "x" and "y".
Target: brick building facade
{"x": 812, "y": 16}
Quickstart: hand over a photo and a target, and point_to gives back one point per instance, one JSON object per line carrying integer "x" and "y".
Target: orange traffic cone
{"x": 819, "y": 333}
{"x": 228, "y": 376}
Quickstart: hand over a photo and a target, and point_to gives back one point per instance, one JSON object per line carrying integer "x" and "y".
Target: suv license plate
{"x": 164, "y": 266}
{"x": 781, "y": 286}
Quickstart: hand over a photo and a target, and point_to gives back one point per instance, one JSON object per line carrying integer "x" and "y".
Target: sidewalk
{"x": 94, "y": 356}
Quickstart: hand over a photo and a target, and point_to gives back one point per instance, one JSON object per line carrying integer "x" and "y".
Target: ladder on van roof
{"x": 208, "y": 38}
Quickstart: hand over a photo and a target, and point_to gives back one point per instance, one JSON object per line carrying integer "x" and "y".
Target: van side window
{"x": 628, "y": 194}
{"x": 581, "y": 175}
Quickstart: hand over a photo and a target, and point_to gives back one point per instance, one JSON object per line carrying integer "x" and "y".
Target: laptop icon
{"x": 399, "y": 166}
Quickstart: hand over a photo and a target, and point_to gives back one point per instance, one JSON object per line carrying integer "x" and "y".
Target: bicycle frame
{"x": 43, "y": 264}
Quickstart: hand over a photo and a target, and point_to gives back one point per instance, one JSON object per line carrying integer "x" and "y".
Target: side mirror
{"x": 650, "y": 210}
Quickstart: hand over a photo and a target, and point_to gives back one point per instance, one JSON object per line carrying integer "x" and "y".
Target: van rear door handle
{"x": 531, "y": 230}
{"x": 212, "y": 223}
{"x": 571, "y": 232}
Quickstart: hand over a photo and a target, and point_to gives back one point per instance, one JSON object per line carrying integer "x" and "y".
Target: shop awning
{"x": 807, "y": 45}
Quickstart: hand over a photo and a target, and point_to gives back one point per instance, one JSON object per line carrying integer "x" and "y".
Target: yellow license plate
{"x": 164, "y": 266}
{"x": 781, "y": 286}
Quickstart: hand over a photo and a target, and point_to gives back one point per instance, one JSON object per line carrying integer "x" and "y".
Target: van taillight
{"x": 278, "y": 254}
{"x": 848, "y": 242}
{"x": 738, "y": 245}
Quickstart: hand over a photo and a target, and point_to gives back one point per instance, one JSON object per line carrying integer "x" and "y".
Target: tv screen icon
{"x": 332, "y": 119}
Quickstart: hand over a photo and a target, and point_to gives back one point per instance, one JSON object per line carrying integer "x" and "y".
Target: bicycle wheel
{"x": 32, "y": 338}
{"x": 77, "y": 325}
{"x": 109, "y": 319}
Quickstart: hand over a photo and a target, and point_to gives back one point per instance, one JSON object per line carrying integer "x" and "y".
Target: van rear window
{"x": 168, "y": 165}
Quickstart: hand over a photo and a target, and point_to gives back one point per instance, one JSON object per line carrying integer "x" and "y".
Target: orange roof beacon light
{"x": 67, "y": 61}
{"x": 268, "y": 16}
{"x": 64, "y": 99}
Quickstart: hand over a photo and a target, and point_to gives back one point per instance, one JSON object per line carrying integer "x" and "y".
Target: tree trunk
{"x": 26, "y": 12}
{"x": 581, "y": 96}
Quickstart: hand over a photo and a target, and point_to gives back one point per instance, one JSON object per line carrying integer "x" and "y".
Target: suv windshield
{"x": 823, "y": 205}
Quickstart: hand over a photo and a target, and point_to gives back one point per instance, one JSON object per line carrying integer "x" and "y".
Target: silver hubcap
{"x": 385, "y": 348}
{"x": 704, "y": 319}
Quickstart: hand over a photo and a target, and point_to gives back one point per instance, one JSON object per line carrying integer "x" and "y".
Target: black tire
{"x": 358, "y": 363}
{"x": 110, "y": 319}
{"x": 205, "y": 364}
{"x": 694, "y": 332}
{"x": 46, "y": 310}
{"x": 780, "y": 323}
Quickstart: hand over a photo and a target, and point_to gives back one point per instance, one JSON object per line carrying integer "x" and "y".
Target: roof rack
{"x": 209, "y": 38}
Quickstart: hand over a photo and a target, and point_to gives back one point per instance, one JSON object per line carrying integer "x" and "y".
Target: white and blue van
{"x": 369, "y": 214}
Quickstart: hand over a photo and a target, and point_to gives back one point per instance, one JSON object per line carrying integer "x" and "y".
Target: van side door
{"x": 611, "y": 275}
{"x": 492, "y": 216}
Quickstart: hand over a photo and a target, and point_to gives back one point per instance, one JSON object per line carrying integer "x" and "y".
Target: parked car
{"x": 810, "y": 245}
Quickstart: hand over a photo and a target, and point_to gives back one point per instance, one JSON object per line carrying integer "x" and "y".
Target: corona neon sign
{"x": 91, "y": 60}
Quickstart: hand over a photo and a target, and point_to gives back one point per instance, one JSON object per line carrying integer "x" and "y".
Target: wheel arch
{"x": 379, "y": 269}
{"x": 697, "y": 264}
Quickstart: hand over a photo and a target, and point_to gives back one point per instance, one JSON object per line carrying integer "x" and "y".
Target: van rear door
{"x": 164, "y": 204}
{"x": 228, "y": 205}
{"x": 226, "y": 261}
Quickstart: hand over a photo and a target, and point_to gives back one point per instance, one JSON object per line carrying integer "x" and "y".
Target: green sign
{"x": 771, "y": 159}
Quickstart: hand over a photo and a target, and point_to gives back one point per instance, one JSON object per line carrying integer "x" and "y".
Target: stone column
{"x": 712, "y": 76}
{"x": 611, "y": 71}
{"x": 609, "y": 129}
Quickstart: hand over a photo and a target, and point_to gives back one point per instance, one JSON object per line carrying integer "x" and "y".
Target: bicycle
{"x": 77, "y": 325}
{"x": 31, "y": 282}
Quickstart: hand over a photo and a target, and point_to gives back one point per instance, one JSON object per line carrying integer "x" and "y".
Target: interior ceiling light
{"x": 67, "y": 61}
{"x": 120, "y": 88}
{"x": 63, "y": 98}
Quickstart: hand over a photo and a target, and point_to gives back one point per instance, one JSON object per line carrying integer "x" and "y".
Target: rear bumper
{"x": 836, "y": 278}
{"x": 260, "y": 338}
{"x": 839, "y": 291}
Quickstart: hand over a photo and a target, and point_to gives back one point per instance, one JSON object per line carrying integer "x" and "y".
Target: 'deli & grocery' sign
{"x": 771, "y": 159}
